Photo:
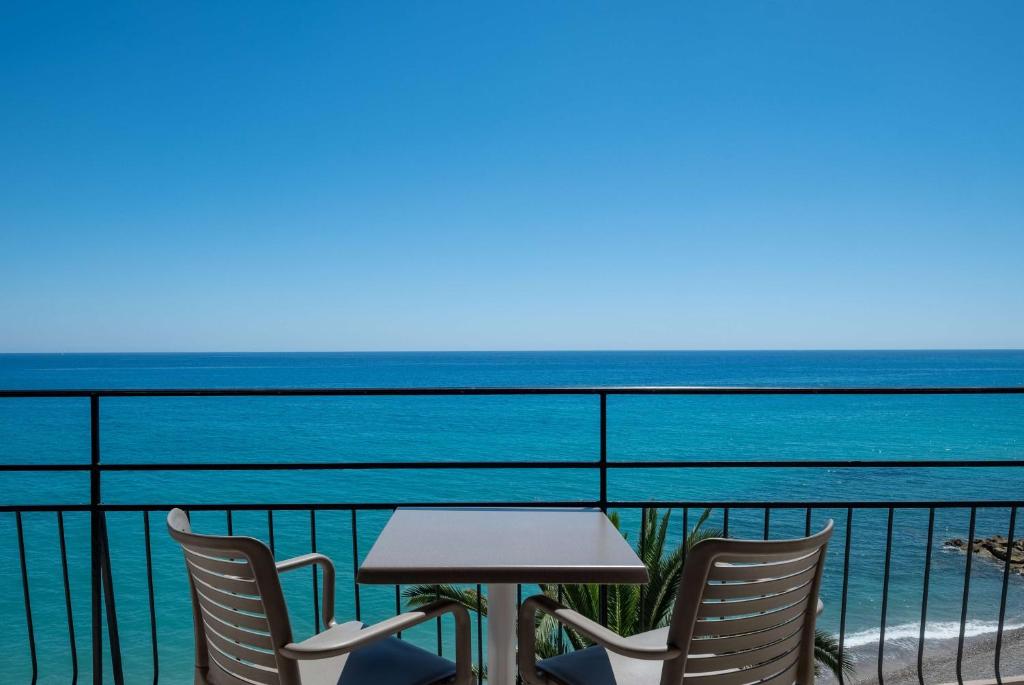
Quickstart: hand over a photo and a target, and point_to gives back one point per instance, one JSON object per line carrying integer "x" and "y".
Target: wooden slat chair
{"x": 744, "y": 613}
{"x": 243, "y": 635}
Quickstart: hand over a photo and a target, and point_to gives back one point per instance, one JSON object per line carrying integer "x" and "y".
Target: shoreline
{"x": 939, "y": 661}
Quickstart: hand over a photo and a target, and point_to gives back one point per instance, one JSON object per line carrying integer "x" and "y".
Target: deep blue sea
{"x": 500, "y": 428}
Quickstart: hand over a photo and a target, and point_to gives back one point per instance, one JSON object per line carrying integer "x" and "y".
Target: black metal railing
{"x": 104, "y": 611}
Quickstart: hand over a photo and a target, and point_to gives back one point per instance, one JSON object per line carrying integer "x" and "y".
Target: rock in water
{"x": 994, "y": 548}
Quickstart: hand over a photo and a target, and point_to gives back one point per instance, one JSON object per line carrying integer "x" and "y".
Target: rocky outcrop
{"x": 994, "y": 548}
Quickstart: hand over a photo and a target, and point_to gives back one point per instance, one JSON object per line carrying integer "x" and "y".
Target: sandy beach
{"x": 939, "y": 662}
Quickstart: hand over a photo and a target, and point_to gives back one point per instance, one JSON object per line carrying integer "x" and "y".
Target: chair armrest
{"x": 593, "y": 630}
{"x": 327, "y": 565}
{"x": 324, "y": 647}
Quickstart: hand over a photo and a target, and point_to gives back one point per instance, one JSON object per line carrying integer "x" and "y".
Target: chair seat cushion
{"x": 597, "y": 666}
{"x": 386, "y": 662}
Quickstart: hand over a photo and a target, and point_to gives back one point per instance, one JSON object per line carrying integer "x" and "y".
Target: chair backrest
{"x": 745, "y": 612}
{"x": 238, "y": 609}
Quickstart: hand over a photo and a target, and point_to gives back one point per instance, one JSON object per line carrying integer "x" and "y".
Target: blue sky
{"x": 377, "y": 176}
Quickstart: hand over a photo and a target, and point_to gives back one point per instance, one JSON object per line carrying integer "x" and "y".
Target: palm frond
{"x": 419, "y": 595}
{"x": 828, "y": 654}
{"x": 699, "y": 525}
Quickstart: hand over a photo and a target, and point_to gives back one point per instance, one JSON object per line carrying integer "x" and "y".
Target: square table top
{"x": 501, "y": 545}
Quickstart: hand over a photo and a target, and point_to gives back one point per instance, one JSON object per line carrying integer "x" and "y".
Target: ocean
{"x": 502, "y": 428}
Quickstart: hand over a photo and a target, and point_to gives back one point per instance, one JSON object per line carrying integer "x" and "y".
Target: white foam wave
{"x": 934, "y": 630}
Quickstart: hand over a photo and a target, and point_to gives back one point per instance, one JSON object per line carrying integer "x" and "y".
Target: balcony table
{"x": 501, "y": 547}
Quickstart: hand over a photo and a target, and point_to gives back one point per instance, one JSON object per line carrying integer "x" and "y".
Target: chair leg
{"x": 463, "y": 648}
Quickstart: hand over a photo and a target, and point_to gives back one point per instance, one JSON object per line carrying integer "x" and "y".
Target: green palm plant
{"x": 632, "y": 609}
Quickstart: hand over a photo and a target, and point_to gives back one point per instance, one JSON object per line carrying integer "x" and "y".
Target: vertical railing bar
{"x": 398, "y": 606}
{"x": 967, "y": 590}
{"x": 725, "y": 522}
{"x": 686, "y": 524}
{"x": 643, "y": 557}
{"x": 846, "y": 586}
{"x": 1002, "y": 598}
{"x": 807, "y": 523}
{"x": 519, "y": 605}
{"x": 94, "y": 536}
{"x": 604, "y": 452}
{"x": 355, "y": 564}
{"x": 602, "y": 592}
{"x": 230, "y": 520}
{"x": 316, "y": 589}
{"x": 440, "y": 643}
{"x": 479, "y": 636}
{"x": 924, "y": 595}
{"x": 885, "y": 596}
{"x": 152, "y": 598}
{"x": 113, "y": 633}
{"x": 767, "y": 521}
{"x": 67, "y": 598}
{"x": 561, "y": 633}
{"x": 28, "y": 602}
{"x": 270, "y": 531}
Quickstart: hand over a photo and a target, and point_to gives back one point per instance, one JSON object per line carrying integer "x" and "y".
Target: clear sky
{"x": 228, "y": 175}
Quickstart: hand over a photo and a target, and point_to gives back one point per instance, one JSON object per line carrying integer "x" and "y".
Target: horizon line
{"x": 524, "y": 351}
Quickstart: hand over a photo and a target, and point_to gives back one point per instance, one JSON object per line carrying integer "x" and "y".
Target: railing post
{"x": 102, "y": 581}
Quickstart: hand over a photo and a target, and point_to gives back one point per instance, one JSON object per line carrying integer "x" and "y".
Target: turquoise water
{"x": 498, "y": 428}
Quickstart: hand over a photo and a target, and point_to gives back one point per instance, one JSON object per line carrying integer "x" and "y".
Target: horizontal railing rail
{"x": 522, "y": 464}
{"x": 104, "y": 610}
{"x": 485, "y": 390}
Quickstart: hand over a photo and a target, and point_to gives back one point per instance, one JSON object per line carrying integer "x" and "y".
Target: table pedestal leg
{"x": 501, "y": 634}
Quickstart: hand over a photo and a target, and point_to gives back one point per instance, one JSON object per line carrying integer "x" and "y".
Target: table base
{"x": 501, "y": 634}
